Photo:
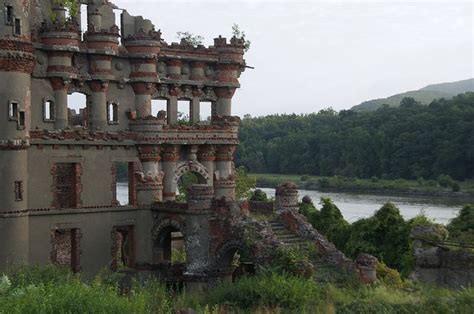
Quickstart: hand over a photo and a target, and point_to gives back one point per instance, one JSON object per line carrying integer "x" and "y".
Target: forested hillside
{"x": 424, "y": 95}
{"x": 410, "y": 141}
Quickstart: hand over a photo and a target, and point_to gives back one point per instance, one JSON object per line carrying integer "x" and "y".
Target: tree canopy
{"x": 411, "y": 141}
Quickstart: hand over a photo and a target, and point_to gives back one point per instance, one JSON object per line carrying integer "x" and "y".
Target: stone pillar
{"x": 174, "y": 69}
{"x": 60, "y": 103}
{"x": 197, "y": 229}
{"x": 150, "y": 179}
{"x": 286, "y": 196}
{"x": 143, "y": 92}
{"x": 224, "y": 101}
{"x": 173, "y": 106}
{"x": 98, "y": 105}
{"x": 207, "y": 156}
{"x": 170, "y": 157}
{"x": 224, "y": 181}
{"x": 195, "y": 110}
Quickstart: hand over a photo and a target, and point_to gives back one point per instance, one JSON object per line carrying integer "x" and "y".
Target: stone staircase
{"x": 324, "y": 272}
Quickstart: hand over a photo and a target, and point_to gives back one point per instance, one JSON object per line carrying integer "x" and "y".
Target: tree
{"x": 237, "y": 33}
{"x": 189, "y": 38}
{"x": 244, "y": 184}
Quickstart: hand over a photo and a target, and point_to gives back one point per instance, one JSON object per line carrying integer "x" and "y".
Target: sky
{"x": 310, "y": 55}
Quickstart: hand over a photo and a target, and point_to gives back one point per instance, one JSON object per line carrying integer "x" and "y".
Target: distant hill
{"x": 424, "y": 95}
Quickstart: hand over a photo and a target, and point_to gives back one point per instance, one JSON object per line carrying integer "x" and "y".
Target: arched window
{"x": 77, "y": 109}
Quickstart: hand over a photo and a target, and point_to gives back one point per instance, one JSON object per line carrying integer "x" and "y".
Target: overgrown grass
{"x": 339, "y": 183}
{"x": 52, "y": 290}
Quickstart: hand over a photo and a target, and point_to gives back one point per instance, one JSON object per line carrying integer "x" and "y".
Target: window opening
{"x": 184, "y": 111}
{"x": 8, "y": 14}
{"x": 17, "y": 26}
{"x": 48, "y": 110}
{"x": 13, "y": 111}
{"x": 205, "y": 113}
{"x": 18, "y": 191}
{"x": 112, "y": 113}
{"x": 77, "y": 109}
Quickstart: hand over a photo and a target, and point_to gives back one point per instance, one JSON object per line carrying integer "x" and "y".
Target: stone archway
{"x": 194, "y": 167}
{"x": 168, "y": 235}
{"x": 225, "y": 258}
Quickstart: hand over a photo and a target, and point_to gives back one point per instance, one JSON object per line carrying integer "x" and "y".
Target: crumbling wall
{"x": 440, "y": 264}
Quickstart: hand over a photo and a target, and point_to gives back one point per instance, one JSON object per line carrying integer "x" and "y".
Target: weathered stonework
{"x": 58, "y": 168}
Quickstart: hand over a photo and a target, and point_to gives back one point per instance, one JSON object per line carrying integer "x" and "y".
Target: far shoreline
{"x": 404, "y": 188}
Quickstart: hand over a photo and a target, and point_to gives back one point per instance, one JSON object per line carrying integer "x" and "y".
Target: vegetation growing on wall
{"x": 385, "y": 235}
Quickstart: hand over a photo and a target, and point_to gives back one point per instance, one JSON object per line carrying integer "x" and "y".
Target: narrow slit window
{"x": 8, "y": 14}
{"x": 48, "y": 111}
{"x": 17, "y": 26}
{"x": 13, "y": 111}
{"x": 21, "y": 120}
{"x": 18, "y": 191}
{"x": 113, "y": 113}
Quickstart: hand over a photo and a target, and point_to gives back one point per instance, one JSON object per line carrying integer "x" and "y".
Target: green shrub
{"x": 445, "y": 180}
{"x": 323, "y": 183}
{"x": 259, "y": 196}
{"x": 389, "y": 276}
{"x": 268, "y": 290}
{"x": 304, "y": 178}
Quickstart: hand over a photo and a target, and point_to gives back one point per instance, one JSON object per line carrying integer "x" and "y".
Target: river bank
{"x": 425, "y": 188}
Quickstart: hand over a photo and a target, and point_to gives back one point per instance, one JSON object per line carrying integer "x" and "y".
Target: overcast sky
{"x": 310, "y": 55}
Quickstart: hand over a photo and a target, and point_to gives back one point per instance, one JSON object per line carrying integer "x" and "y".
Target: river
{"x": 356, "y": 206}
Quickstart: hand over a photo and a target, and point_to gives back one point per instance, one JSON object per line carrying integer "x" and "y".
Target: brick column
{"x": 98, "y": 113}
{"x": 224, "y": 101}
{"x": 150, "y": 179}
{"x": 60, "y": 103}
{"x": 173, "y": 105}
{"x": 143, "y": 92}
{"x": 170, "y": 157}
{"x": 224, "y": 182}
{"x": 207, "y": 156}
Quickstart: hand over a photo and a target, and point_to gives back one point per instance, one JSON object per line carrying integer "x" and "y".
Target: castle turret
{"x": 16, "y": 65}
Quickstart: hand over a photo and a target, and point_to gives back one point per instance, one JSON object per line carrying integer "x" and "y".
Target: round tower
{"x": 17, "y": 62}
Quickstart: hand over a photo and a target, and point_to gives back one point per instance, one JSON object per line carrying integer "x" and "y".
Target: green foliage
{"x": 408, "y": 142}
{"x": 331, "y": 223}
{"x": 244, "y": 184}
{"x": 189, "y": 38}
{"x": 50, "y": 290}
{"x": 178, "y": 255}
{"x": 184, "y": 183}
{"x": 389, "y": 276}
{"x": 461, "y": 228}
{"x": 259, "y": 196}
{"x": 237, "y": 33}
{"x": 292, "y": 260}
{"x": 272, "y": 290}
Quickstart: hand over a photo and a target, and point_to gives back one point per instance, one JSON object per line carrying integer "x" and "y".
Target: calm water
{"x": 356, "y": 206}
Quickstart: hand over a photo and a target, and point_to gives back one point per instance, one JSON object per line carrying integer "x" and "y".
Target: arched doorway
{"x": 185, "y": 182}
{"x": 233, "y": 261}
{"x": 169, "y": 243}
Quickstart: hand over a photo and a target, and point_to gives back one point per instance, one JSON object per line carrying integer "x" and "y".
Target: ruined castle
{"x": 58, "y": 165}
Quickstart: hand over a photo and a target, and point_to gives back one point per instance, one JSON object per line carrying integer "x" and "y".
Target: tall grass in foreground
{"x": 52, "y": 290}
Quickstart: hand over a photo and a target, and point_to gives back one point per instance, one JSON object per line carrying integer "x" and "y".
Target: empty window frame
{"x": 112, "y": 112}
{"x": 21, "y": 120}
{"x": 17, "y": 27}
{"x": 8, "y": 15}
{"x": 18, "y": 191}
{"x": 205, "y": 112}
{"x": 184, "y": 111}
{"x": 48, "y": 111}
{"x": 158, "y": 105}
{"x": 13, "y": 110}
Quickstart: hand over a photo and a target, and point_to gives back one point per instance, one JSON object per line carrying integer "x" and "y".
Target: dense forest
{"x": 411, "y": 141}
